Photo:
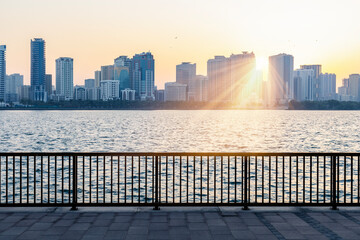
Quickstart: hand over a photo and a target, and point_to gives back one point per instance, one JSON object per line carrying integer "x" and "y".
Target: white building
{"x": 303, "y": 84}
{"x": 64, "y": 78}
{"x": 175, "y": 92}
{"x": 13, "y": 84}
{"x": 197, "y": 89}
{"x": 185, "y": 73}
{"x": 327, "y": 86}
{"x": 79, "y": 93}
{"x": 281, "y": 81}
{"x": 2, "y": 71}
{"x": 109, "y": 90}
{"x": 128, "y": 94}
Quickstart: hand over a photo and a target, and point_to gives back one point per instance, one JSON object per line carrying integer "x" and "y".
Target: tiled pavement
{"x": 179, "y": 223}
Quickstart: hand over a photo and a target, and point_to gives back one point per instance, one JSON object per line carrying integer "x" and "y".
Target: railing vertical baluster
{"x": 74, "y": 190}
{"x": 90, "y": 179}
{"x": 104, "y": 179}
{"x": 69, "y": 167}
{"x": 156, "y": 183}
{"x": 194, "y": 179}
{"x": 311, "y": 185}
{"x": 269, "y": 179}
{"x": 111, "y": 185}
{"x": 245, "y": 196}
{"x": 344, "y": 179}
{"x": 21, "y": 179}
{"x": 276, "y": 179}
{"x": 166, "y": 183}
{"x": 303, "y": 170}
{"x": 13, "y": 194}
{"x": 235, "y": 179}
{"x": 324, "y": 179}
{"x": 222, "y": 179}
{"x": 62, "y": 180}
{"x": 139, "y": 180}
{"x": 262, "y": 177}
{"x": 180, "y": 170}
{"x": 228, "y": 180}
{"x": 352, "y": 178}
{"x": 338, "y": 178}
{"x": 49, "y": 157}
{"x": 187, "y": 178}
{"x": 35, "y": 179}
{"x": 297, "y": 179}
{"x": 317, "y": 179}
{"x": 146, "y": 170}
{"x": 201, "y": 179}
{"x": 173, "y": 187}
{"x": 333, "y": 182}
{"x": 41, "y": 180}
{"x": 28, "y": 179}
{"x": 214, "y": 179}
{"x": 55, "y": 179}
{"x": 208, "y": 179}
{"x": 7, "y": 179}
{"x": 97, "y": 179}
{"x": 118, "y": 174}
{"x": 290, "y": 170}
{"x": 283, "y": 180}
{"x": 256, "y": 178}
{"x": 83, "y": 179}
{"x": 132, "y": 179}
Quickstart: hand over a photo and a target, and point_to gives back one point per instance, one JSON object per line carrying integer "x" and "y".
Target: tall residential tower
{"x": 64, "y": 78}
{"x": 2, "y": 72}
{"x": 38, "y": 66}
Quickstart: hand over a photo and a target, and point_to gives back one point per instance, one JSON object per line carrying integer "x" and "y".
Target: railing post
{"x": 74, "y": 197}
{"x": 333, "y": 182}
{"x": 156, "y": 207}
{"x": 245, "y": 197}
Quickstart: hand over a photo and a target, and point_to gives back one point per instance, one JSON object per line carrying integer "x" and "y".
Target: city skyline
{"x": 329, "y": 40}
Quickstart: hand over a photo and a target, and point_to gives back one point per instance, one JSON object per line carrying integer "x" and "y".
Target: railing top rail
{"x": 285, "y": 154}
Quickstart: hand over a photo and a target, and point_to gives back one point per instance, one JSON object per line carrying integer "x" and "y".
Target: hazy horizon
{"x": 95, "y": 32}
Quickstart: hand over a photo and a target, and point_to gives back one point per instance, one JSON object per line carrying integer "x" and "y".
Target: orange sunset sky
{"x": 95, "y": 32}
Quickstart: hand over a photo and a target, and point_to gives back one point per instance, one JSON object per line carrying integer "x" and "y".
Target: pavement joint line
{"x": 272, "y": 229}
{"x": 350, "y": 217}
{"x": 317, "y": 225}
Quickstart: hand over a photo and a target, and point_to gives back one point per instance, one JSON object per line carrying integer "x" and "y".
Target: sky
{"x": 94, "y": 32}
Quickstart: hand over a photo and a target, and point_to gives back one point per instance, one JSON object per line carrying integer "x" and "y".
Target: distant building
{"x": 89, "y": 83}
{"x": 160, "y": 95}
{"x": 79, "y": 93}
{"x": 218, "y": 72}
{"x": 97, "y": 78}
{"x": 2, "y": 72}
{"x": 13, "y": 83}
{"x": 281, "y": 80}
{"x": 303, "y": 84}
{"x": 316, "y": 82}
{"x": 143, "y": 76}
{"x": 38, "y": 68}
{"x": 128, "y": 94}
{"x": 354, "y": 86}
{"x": 107, "y": 72}
{"x": 48, "y": 84}
{"x": 109, "y": 90}
{"x": 175, "y": 92}
{"x": 122, "y": 71}
{"x": 185, "y": 72}
{"x": 197, "y": 89}
{"x": 25, "y": 92}
{"x": 327, "y": 86}
{"x": 64, "y": 78}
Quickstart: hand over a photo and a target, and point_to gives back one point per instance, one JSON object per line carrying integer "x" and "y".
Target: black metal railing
{"x": 183, "y": 179}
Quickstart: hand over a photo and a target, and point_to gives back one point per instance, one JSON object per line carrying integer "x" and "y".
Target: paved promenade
{"x": 179, "y": 223}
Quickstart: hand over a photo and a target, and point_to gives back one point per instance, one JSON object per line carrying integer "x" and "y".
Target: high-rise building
{"x": 242, "y": 76}
{"x": 143, "y": 76}
{"x": 97, "y": 78}
{"x": 89, "y": 83}
{"x": 281, "y": 81}
{"x": 327, "y": 86}
{"x": 110, "y": 90}
{"x": 48, "y": 84}
{"x": 13, "y": 84}
{"x": 122, "y": 67}
{"x": 38, "y": 68}
{"x": 303, "y": 84}
{"x": 197, "y": 89}
{"x": 64, "y": 78}
{"x": 79, "y": 93}
{"x": 354, "y": 86}
{"x": 218, "y": 72}
{"x": 185, "y": 72}
{"x": 107, "y": 72}
{"x": 175, "y": 92}
{"x": 128, "y": 95}
{"x": 316, "y": 71}
{"x": 2, "y": 72}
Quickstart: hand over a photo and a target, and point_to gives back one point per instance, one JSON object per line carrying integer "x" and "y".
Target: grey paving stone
{"x": 115, "y": 235}
{"x": 243, "y": 235}
{"x": 200, "y": 235}
{"x": 122, "y": 219}
{"x": 159, "y": 219}
{"x": 4, "y": 225}
{"x": 80, "y": 226}
{"x": 140, "y": 222}
{"x": 159, "y": 234}
{"x": 176, "y": 215}
{"x": 179, "y": 231}
{"x": 119, "y": 226}
{"x": 64, "y": 223}
{"x": 55, "y": 230}
{"x": 99, "y": 231}
{"x": 216, "y": 222}
{"x": 73, "y": 235}
{"x": 198, "y": 226}
{"x": 158, "y": 226}
{"x": 292, "y": 235}
{"x": 266, "y": 237}
{"x": 14, "y": 231}
{"x": 30, "y": 235}
{"x": 138, "y": 230}
{"x": 135, "y": 237}
{"x": 219, "y": 230}
{"x": 223, "y": 237}
{"x": 177, "y": 222}
{"x": 107, "y": 216}
{"x": 102, "y": 222}
{"x": 7, "y": 237}
{"x": 40, "y": 226}
{"x": 261, "y": 230}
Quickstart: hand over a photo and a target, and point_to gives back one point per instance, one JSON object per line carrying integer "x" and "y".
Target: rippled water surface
{"x": 134, "y": 131}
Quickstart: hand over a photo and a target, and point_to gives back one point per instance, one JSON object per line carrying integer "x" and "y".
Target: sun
{"x": 261, "y": 63}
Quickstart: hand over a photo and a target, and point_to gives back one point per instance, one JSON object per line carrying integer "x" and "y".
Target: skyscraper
{"x": 38, "y": 66}
{"x": 122, "y": 67}
{"x": 97, "y": 78}
{"x": 316, "y": 71}
{"x": 303, "y": 84}
{"x": 2, "y": 72}
{"x": 242, "y": 76}
{"x": 327, "y": 86}
{"x": 143, "y": 70}
{"x": 185, "y": 73}
{"x": 48, "y": 84}
{"x": 64, "y": 78}
{"x": 281, "y": 80}
{"x": 354, "y": 86}
{"x": 107, "y": 72}
{"x": 218, "y": 72}
{"x": 13, "y": 84}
